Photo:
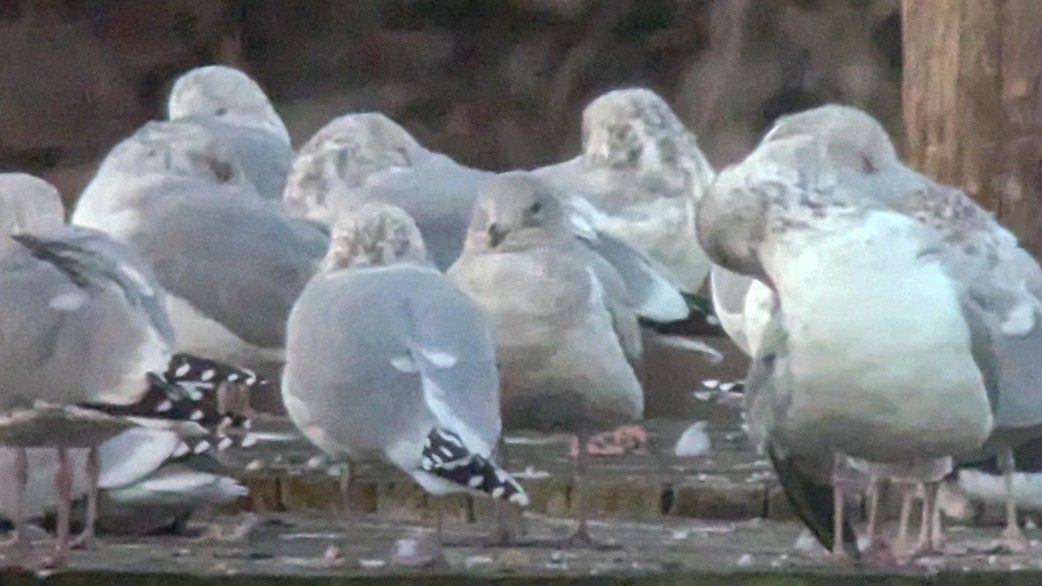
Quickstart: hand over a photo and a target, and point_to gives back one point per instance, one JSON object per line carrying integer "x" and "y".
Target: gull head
{"x": 28, "y": 204}
{"x": 182, "y": 149}
{"x": 342, "y": 156}
{"x": 375, "y": 234}
{"x": 516, "y": 210}
{"x": 635, "y": 128}
{"x": 852, "y": 139}
{"x": 223, "y": 92}
{"x": 777, "y": 185}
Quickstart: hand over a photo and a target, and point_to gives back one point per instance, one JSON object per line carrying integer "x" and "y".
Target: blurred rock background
{"x": 495, "y": 83}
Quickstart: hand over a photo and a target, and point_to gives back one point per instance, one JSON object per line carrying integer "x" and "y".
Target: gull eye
{"x": 536, "y": 208}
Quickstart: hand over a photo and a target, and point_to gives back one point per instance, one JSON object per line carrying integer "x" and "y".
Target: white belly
{"x": 880, "y": 364}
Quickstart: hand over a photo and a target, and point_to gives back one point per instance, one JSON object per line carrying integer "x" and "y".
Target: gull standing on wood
{"x": 900, "y": 381}
{"x": 387, "y": 360}
{"x": 235, "y": 109}
{"x": 1003, "y": 281}
{"x": 149, "y": 480}
{"x": 83, "y": 322}
{"x": 233, "y": 265}
{"x": 567, "y": 340}
{"x": 644, "y": 173}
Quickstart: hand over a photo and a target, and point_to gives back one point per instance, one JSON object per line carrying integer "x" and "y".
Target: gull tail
{"x": 171, "y": 401}
{"x": 812, "y": 502}
{"x": 445, "y": 456}
{"x": 187, "y": 369}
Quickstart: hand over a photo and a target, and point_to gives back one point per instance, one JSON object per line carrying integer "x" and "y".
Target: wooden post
{"x": 973, "y": 103}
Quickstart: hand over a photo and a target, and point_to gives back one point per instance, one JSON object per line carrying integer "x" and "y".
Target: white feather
{"x": 404, "y": 363}
{"x": 134, "y": 454}
{"x": 70, "y": 301}
{"x": 439, "y": 359}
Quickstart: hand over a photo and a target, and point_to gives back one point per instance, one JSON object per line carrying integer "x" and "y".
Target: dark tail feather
{"x": 51, "y": 252}
{"x": 166, "y": 400}
{"x": 812, "y": 502}
{"x": 186, "y": 369}
{"x": 445, "y": 456}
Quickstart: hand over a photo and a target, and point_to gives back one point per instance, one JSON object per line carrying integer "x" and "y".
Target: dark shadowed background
{"x": 495, "y": 83}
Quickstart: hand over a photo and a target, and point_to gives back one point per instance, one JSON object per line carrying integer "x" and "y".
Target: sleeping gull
{"x": 387, "y": 360}
{"x": 358, "y": 158}
{"x": 899, "y": 382}
{"x": 643, "y": 172}
{"x": 1003, "y": 281}
{"x": 233, "y": 265}
{"x": 235, "y": 109}
{"x": 567, "y": 340}
{"x": 84, "y": 324}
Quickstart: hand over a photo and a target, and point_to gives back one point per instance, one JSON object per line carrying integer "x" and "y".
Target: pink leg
{"x": 63, "y": 481}
{"x": 20, "y": 539}
{"x": 86, "y": 538}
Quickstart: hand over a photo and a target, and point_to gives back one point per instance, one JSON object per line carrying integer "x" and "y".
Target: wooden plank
{"x": 973, "y": 103}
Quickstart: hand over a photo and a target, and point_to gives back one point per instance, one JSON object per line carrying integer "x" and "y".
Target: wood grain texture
{"x": 972, "y": 94}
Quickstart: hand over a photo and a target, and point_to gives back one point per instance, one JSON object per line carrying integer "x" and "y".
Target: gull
{"x": 84, "y": 325}
{"x": 567, "y": 339}
{"x": 387, "y": 360}
{"x": 1003, "y": 281}
{"x": 871, "y": 352}
{"x": 236, "y": 110}
{"x": 643, "y": 172}
{"x": 358, "y": 158}
{"x": 232, "y": 264}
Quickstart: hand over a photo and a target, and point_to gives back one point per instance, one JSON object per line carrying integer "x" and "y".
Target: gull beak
{"x": 496, "y": 235}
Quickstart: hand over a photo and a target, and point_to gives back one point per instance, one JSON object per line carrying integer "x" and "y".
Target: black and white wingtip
{"x": 445, "y": 456}
{"x": 218, "y": 440}
{"x": 187, "y": 369}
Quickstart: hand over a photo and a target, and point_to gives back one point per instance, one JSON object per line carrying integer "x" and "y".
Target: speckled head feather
{"x": 855, "y": 143}
{"x": 346, "y": 151}
{"x": 852, "y": 138}
{"x": 635, "y": 128}
{"x": 377, "y": 234}
{"x": 28, "y": 204}
{"x": 223, "y": 92}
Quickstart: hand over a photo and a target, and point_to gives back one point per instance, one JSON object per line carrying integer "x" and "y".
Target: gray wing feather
{"x": 438, "y": 193}
{"x": 444, "y": 319}
{"x": 235, "y": 260}
{"x": 653, "y": 295}
{"x": 99, "y": 253}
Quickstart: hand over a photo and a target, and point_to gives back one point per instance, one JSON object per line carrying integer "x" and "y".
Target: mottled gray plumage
{"x": 176, "y": 196}
{"x": 644, "y": 172}
{"x": 566, "y": 333}
{"x": 382, "y": 349}
{"x": 1002, "y": 282}
{"x": 359, "y": 158}
{"x": 828, "y": 381}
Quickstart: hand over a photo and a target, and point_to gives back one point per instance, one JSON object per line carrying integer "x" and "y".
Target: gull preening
{"x": 870, "y": 353}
